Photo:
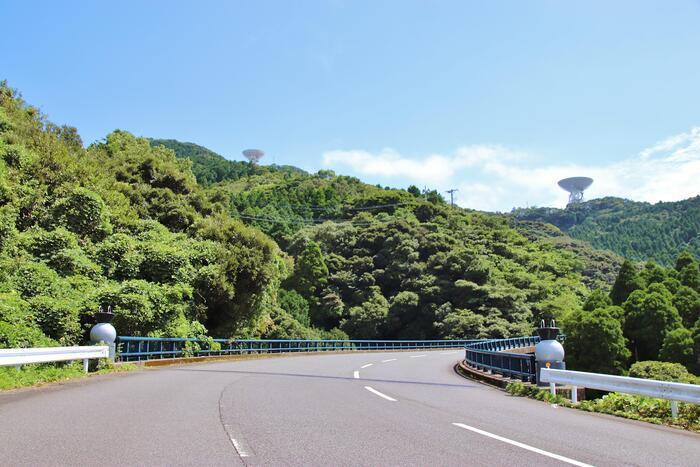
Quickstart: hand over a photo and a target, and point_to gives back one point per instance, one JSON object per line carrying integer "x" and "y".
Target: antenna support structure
{"x": 575, "y": 186}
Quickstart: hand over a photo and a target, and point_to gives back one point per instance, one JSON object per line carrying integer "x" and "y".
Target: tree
{"x": 652, "y": 273}
{"x": 414, "y": 190}
{"x": 595, "y": 342}
{"x": 597, "y": 299}
{"x": 84, "y": 212}
{"x": 403, "y": 310}
{"x": 462, "y": 324}
{"x": 678, "y": 347}
{"x": 696, "y": 348}
{"x": 367, "y": 321}
{"x": 687, "y": 302}
{"x": 311, "y": 273}
{"x": 650, "y": 316}
{"x": 627, "y": 281}
{"x": 690, "y": 276}
{"x": 294, "y": 304}
{"x": 684, "y": 259}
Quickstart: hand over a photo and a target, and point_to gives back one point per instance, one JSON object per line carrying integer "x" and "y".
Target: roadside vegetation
{"x": 33, "y": 375}
{"x": 650, "y": 314}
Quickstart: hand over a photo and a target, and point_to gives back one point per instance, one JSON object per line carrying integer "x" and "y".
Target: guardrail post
{"x": 85, "y": 365}
{"x": 574, "y": 394}
{"x": 552, "y": 389}
{"x": 674, "y": 409}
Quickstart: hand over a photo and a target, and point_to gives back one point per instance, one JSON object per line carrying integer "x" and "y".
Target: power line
{"x": 313, "y": 221}
{"x": 324, "y": 208}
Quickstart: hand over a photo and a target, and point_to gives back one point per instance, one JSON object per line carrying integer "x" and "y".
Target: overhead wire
{"x": 323, "y": 208}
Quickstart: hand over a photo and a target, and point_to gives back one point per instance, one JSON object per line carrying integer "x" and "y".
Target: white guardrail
{"x": 638, "y": 386}
{"x": 19, "y": 357}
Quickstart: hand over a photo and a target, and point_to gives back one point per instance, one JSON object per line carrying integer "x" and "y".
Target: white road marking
{"x": 522, "y": 445}
{"x": 417, "y": 356}
{"x": 238, "y": 444}
{"x": 366, "y": 366}
{"x": 374, "y": 391}
{"x": 389, "y": 360}
{"x": 356, "y": 375}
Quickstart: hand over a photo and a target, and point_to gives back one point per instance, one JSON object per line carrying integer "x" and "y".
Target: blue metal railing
{"x": 492, "y": 355}
{"x": 130, "y": 348}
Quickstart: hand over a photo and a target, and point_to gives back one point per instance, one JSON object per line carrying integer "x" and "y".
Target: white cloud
{"x": 493, "y": 177}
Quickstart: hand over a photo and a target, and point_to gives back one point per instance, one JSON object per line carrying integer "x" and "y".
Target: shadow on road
{"x": 342, "y": 378}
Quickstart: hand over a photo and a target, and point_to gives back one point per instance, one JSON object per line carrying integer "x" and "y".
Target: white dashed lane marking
{"x": 384, "y": 396}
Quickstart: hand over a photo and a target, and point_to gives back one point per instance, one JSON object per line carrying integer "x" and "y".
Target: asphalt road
{"x": 400, "y": 408}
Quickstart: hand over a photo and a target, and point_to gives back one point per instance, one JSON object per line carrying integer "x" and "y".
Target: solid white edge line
{"x": 374, "y": 391}
{"x": 417, "y": 356}
{"x": 389, "y": 360}
{"x": 356, "y": 374}
{"x": 366, "y": 366}
{"x": 522, "y": 445}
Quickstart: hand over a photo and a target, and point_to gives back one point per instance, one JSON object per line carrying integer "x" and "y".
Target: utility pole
{"x": 452, "y": 196}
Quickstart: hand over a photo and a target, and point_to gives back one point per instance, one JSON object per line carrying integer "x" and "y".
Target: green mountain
{"x": 638, "y": 231}
{"x": 199, "y": 245}
{"x": 209, "y": 167}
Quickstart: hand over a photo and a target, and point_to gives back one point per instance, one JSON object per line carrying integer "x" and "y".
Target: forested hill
{"x": 639, "y": 231}
{"x": 257, "y": 251}
{"x": 281, "y": 200}
{"x": 209, "y": 167}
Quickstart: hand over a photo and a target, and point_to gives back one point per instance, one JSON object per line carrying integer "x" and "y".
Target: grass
{"x": 646, "y": 409}
{"x": 33, "y": 375}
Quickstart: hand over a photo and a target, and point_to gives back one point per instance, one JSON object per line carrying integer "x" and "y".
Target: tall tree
{"x": 311, "y": 272}
{"x": 627, "y": 281}
{"x": 678, "y": 348}
{"x": 595, "y": 342}
{"x": 650, "y": 316}
{"x": 687, "y": 302}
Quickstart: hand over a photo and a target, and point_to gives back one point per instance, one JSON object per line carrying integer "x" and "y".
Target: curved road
{"x": 392, "y": 408}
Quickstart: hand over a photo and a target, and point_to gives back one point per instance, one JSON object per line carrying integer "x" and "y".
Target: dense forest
{"x": 251, "y": 250}
{"x": 650, "y": 314}
{"x": 638, "y": 231}
{"x": 183, "y": 242}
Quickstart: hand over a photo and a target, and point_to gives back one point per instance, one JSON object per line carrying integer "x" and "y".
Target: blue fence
{"x": 131, "y": 348}
{"x": 493, "y": 355}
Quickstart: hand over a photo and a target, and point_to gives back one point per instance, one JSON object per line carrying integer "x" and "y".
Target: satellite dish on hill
{"x": 575, "y": 186}
{"x": 253, "y": 155}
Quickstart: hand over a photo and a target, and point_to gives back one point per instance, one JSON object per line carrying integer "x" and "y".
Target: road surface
{"x": 392, "y": 408}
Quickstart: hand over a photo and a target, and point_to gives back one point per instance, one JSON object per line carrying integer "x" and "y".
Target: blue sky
{"x": 497, "y": 98}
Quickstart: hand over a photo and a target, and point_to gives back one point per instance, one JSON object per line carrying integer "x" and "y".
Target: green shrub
{"x": 83, "y": 212}
{"x": 57, "y": 318}
{"x": 31, "y": 279}
{"x": 529, "y": 390}
{"x": 647, "y": 409}
{"x": 162, "y": 263}
{"x": 662, "y": 371}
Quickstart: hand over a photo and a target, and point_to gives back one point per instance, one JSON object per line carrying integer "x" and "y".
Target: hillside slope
{"x": 255, "y": 251}
{"x": 638, "y": 231}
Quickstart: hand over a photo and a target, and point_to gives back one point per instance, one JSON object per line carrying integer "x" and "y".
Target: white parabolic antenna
{"x": 253, "y": 155}
{"x": 575, "y": 186}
